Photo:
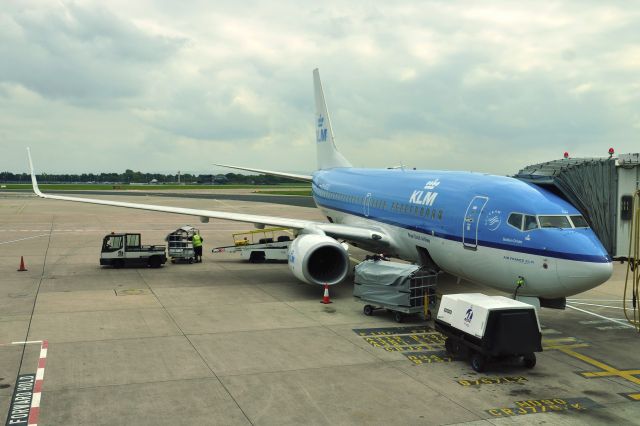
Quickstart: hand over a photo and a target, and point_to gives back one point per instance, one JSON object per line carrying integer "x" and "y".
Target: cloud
{"x": 488, "y": 86}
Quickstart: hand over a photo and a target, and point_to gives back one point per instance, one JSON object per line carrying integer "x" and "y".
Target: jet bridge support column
{"x": 632, "y": 279}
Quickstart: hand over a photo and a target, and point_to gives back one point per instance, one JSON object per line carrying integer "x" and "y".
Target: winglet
{"x": 33, "y": 176}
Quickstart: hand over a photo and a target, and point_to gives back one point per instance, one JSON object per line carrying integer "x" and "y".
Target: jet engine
{"x": 318, "y": 259}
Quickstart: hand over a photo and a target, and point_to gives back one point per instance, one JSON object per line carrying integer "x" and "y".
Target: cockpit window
{"x": 554, "y": 222}
{"x": 579, "y": 221}
{"x": 530, "y": 223}
{"x": 515, "y": 220}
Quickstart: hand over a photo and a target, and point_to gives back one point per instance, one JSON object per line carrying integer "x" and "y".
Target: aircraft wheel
{"x": 368, "y": 310}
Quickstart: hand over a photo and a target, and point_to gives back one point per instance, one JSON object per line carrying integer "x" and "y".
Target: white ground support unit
{"x": 120, "y": 250}
{"x": 489, "y": 327}
{"x": 259, "y": 252}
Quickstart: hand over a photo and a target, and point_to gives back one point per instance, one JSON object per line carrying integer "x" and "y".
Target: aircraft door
{"x": 471, "y": 221}
{"x": 367, "y": 204}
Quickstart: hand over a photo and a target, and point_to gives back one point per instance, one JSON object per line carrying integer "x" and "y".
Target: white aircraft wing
{"x": 349, "y": 233}
{"x": 305, "y": 178}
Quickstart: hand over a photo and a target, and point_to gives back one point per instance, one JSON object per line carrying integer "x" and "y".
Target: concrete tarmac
{"x": 227, "y": 342}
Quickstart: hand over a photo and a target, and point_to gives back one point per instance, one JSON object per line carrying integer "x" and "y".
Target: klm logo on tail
{"x": 321, "y": 131}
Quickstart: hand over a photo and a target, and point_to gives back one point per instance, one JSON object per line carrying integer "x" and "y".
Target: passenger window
{"x": 421, "y": 211}
{"x": 515, "y": 220}
{"x": 440, "y": 214}
{"x": 530, "y": 223}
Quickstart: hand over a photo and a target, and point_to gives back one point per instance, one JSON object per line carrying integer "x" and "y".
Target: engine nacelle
{"x": 318, "y": 259}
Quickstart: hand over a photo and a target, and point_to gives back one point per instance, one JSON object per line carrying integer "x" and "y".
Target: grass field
{"x": 134, "y": 187}
{"x": 301, "y": 193}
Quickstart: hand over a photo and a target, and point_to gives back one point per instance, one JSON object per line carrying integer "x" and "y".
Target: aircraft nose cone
{"x": 577, "y": 277}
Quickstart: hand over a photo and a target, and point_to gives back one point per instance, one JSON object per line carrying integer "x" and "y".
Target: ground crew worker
{"x": 197, "y": 246}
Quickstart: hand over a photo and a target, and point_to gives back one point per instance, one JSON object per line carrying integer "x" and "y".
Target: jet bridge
{"x": 601, "y": 189}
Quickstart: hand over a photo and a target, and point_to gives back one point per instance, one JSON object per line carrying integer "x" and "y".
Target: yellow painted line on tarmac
{"x": 605, "y": 369}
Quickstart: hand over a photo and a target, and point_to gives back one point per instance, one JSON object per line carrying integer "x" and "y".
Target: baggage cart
{"x": 181, "y": 245}
{"x": 399, "y": 288}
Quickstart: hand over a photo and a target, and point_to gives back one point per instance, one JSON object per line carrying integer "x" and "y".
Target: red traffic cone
{"x": 22, "y": 268}
{"x": 325, "y": 298}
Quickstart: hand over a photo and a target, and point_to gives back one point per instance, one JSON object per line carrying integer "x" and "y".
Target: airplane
{"x": 493, "y": 230}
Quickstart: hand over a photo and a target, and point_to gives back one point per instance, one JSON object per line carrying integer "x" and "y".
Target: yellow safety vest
{"x": 197, "y": 240}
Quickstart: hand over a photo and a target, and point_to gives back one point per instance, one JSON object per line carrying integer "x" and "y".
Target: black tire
{"x": 448, "y": 345}
{"x": 118, "y": 263}
{"x": 190, "y": 260}
{"x": 398, "y": 316}
{"x": 478, "y": 362}
{"x": 529, "y": 360}
{"x": 257, "y": 257}
{"x": 368, "y": 310}
{"x": 155, "y": 262}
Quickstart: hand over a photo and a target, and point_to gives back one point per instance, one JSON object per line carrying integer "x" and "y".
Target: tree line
{"x": 129, "y": 176}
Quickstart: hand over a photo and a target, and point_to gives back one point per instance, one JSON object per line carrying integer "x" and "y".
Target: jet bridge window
{"x": 579, "y": 221}
{"x": 554, "y": 222}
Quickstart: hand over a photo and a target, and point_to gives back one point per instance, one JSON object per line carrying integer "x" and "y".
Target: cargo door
{"x": 471, "y": 221}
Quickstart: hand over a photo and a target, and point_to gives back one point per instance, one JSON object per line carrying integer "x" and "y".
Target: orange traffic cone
{"x": 325, "y": 298}
{"x": 22, "y": 268}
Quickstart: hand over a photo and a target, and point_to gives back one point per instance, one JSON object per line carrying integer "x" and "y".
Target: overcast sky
{"x": 165, "y": 85}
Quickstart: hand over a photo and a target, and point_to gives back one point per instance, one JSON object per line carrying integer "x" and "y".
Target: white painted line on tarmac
{"x": 595, "y": 304}
{"x": 620, "y": 322}
{"x": 22, "y": 239}
{"x": 27, "y": 342}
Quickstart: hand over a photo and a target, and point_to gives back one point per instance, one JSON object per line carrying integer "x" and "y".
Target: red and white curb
{"x": 37, "y": 387}
{"x": 34, "y": 408}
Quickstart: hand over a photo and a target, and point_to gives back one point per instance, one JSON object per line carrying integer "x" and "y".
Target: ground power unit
{"x": 489, "y": 328}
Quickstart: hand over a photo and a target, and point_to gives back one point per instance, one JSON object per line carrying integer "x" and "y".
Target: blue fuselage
{"x": 462, "y": 220}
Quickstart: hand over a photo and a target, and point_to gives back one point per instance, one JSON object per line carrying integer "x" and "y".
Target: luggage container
{"x": 486, "y": 328}
{"x": 181, "y": 245}
{"x": 397, "y": 287}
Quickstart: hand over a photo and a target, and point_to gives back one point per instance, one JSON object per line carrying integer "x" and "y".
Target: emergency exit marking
{"x": 492, "y": 381}
{"x": 533, "y": 406}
